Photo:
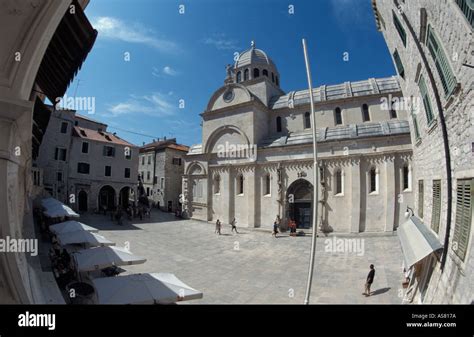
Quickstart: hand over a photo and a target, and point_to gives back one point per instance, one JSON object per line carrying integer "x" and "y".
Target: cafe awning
{"x": 53, "y": 208}
{"x": 67, "y": 50}
{"x": 83, "y": 237}
{"x": 71, "y": 226}
{"x": 103, "y": 257}
{"x": 417, "y": 241}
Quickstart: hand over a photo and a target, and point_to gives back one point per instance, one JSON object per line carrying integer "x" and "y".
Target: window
{"x": 108, "y": 171}
{"x": 467, "y": 8}
{"x": 143, "y": 160}
{"x": 421, "y": 194}
{"x": 148, "y": 191}
{"x": 239, "y": 77}
{"x": 246, "y": 74}
{"x": 267, "y": 184}
{"x": 128, "y": 152}
{"x": 155, "y": 180}
{"x": 393, "y": 111}
{"x": 142, "y": 174}
{"x": 399, "y": 64}
{"x": 148, "y": 174}
{"x": 256, "y": 73}
{"x": 338, "y": 182}
{"x": 109, "y": 151}
{"x": 162, "y": 182}
{"x": 177, "y": 161}
{"x": 442, "y": 64}
{"x": 149, "y": 160}
{"x": 415, "y": 126}
{"x": 83, "y": 168}
{"x": 197, "y": 188}
{"x": 436, "y": 210}
{"x": 365, "y": 113}
{"x": 240, "y": 184}
{"x": 127, "y": 172}
{"x": 217, "y": 184}
{"x": 64, "y": 127}
{"x": 426, "y": 100}
{"x": 60, "y": 154}
{"x": 59, "y": 176}
{"x": 462, "y": 224}
{"x": 373, "y": 175}
{"x": 273, "y": 77}
{"x": 278, "y": 122}
{"x": 76, "y": 123}
{"x": 338, "y": 116}
{"x": 265, "y": 72}
{"x": 277, "y": 81}
{"x": 85, "y": 147}
{"x": 400, "y": 29}
{"x": 406, "y": 175}
{"x": 307, "y": 120}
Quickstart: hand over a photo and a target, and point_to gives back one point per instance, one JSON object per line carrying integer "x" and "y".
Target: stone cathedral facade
{"x": 256, "y": 159}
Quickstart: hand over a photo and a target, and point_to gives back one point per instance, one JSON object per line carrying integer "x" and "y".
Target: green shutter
{"x": 426, "y": 100}
{"x": 399, "y": 64}
{"x": 462, "y": 228}
{"x": 400, "y": 29}
{"x": 420, "y": 198}
{"x": 467, "y": 8}
{"x": 442, "y": 64}
{"x": 436, "y": 210}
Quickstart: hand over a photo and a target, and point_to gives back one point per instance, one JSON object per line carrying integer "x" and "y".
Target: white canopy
{"x": 54, "y": 209}
{"x": 71, "y": 226}
{"x": 162, "y": 288}
{"x": 103, "y": 257}
{"x": 79, "y": 237}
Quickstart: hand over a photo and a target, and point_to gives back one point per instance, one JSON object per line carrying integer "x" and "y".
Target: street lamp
{"x": 409, "y": 213}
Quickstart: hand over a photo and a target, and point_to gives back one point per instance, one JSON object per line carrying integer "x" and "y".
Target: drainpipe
{"x": 444, "y": 133}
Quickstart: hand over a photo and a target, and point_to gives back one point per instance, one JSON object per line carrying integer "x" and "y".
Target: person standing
{"x": 218, "y": 227}
{"x": 234, "y": 227}
{"x": 370, "y": 280}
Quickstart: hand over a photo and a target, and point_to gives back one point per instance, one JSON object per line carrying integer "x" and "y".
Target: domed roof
{"x": 253, "y": 56}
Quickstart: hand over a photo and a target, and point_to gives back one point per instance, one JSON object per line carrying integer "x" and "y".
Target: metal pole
{"x": 315, "y": 177}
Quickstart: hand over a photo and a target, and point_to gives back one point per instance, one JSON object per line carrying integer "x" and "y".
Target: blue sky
{"x": 177, "y": 56}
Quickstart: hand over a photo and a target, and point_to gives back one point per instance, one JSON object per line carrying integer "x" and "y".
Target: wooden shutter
{"x": 462, "y": 228}
{"x": 436, "y": 210}
{"x": 421, "y": 196}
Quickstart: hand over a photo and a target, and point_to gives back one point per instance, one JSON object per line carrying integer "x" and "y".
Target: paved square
{"x": 253, "y": 267}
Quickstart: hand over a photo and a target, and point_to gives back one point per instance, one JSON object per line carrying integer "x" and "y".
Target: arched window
{"x": 239, "y": 77}
{"x": 338, "y": 182}
{"x": 393, "y": 112}
{"x": 373, "y": 180}
{"x": 277, "y": 81}
{"x": 406, "y": 175}
{"x": 365, "y": 113}
{"x": 217, "y": 184}
{"x": 256, "y": 72}
{"x": 246, "y": 74}
{"x": 307, "y": 120}
{"x": 267, "y": 184}
{"x": 240, "y": 184}
{"x": 265, "y": 72}
{"x": 338, "y": 116}
{"x": 273, "y": 77}
{"x": 278, "y": 121}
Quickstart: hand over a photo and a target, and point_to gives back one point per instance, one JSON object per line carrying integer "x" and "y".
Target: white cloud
{"x": 155, "y": 104}
{"x": 220, "y": 41}
{"x": 167, "y": 70}
{"x": 170, "y": 71}
{"x": 115, "y": 29}
{"x": 350, "y": 12}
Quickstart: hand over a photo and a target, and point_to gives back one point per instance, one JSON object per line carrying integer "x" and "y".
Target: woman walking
{"x": 234, "y": 227}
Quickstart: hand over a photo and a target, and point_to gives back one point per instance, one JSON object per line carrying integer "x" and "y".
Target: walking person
{"x": 234, "y": 227}
{"x": 370, "y": 280}
{"x": 275, "y": 229}
{"x": 218, "y": 227}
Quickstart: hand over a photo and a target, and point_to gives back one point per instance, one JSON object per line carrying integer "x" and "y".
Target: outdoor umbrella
{"x": 103, "y": 257}
{"x": 83, "y": 237}
{"x": 148, "y": 288}
{"x": 54, "y": 209}
{"x": 71, "y": 226}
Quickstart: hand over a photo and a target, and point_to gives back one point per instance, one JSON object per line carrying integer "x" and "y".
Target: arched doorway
{"x": 300, "y": 203}
{"x": 124, "y": 196}
{"x": 82, "y": 201}
{"x": 107, "y": 197}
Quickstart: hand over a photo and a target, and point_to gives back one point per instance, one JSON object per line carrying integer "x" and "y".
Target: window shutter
{"x": 421, "y": 196}
{"x": 462, "y": 228}
{"x": 436, "y": 205}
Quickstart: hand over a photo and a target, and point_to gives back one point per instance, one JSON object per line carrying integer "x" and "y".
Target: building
{"x": 161, "y": 167}
{"x": 431, "y": 43}
{"x": 255, "y": 160}
{"x": 35, "y": 39}
{"x": 84, "y": 165}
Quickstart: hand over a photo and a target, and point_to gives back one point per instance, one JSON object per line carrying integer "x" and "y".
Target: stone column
{"x": 390, "y": 193}
{"x": 251, "y": 186}
{"x": 354, "y": 188}
{"x": 230, "y": 194}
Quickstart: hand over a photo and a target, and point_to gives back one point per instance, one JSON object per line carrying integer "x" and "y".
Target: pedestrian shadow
{"x": 226, "y": 235}
{"x": 379, "y": 291}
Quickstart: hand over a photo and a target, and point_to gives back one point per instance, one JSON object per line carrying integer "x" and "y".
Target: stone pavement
{"x": 254, "y": 267}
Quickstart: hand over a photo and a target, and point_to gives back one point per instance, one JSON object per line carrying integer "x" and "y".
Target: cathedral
{"x": 255, "y": 160}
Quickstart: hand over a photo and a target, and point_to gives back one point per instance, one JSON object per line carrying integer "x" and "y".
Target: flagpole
{"x": 315, "y": 177}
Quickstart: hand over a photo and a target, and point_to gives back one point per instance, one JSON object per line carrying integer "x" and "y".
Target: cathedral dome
{"x": 253, "y": 56}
